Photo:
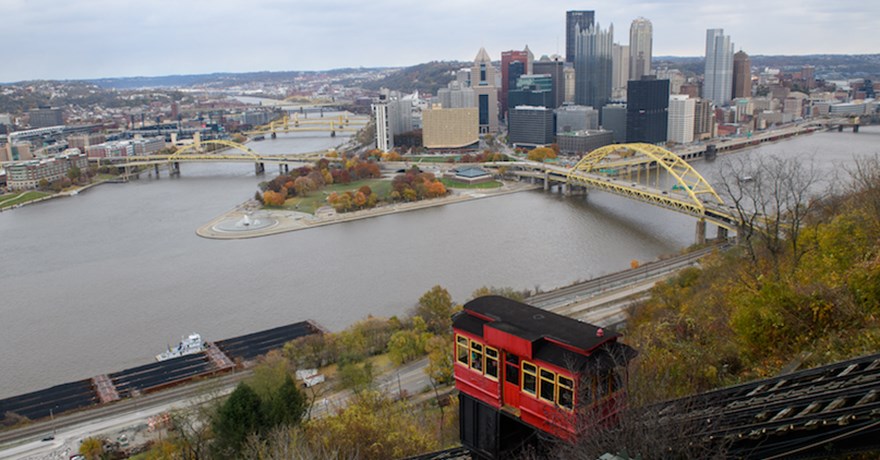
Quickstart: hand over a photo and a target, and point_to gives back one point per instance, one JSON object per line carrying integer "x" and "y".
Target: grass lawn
{"x": 449, "y": 183}
{"x": 446, "y": 159}
{"x": 315, "y": 200}
{"x": 12, "y": 199}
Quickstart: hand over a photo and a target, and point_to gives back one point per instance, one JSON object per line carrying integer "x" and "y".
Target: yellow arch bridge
{"x": 644, "y": 172}
{"x": 225, "y": 151}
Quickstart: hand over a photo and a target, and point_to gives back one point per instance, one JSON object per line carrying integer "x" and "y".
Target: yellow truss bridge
{"x": 333, "y": 125}
{"x": 198, "y": 153}
{"x": 635, "y": 171}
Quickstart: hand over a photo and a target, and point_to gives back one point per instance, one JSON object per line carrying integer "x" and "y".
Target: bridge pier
{"x": 259, "y": 168}
{"x": 156, "y": 169}
{"x": 722, "y": 234}
{"x": 333, "y": 133}
{"x": 701, "y": 232}
{"x": 855, "y": 128}
{"x": 566, "y": 189}
{"x": 174, "y": 168}
{"x": 546, "y": 182}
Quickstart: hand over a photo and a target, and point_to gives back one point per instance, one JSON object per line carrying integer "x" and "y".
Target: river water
{"x": 105, "y": 280}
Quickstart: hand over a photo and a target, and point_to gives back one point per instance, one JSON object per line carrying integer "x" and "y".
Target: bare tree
{"x": 773, "y": 198}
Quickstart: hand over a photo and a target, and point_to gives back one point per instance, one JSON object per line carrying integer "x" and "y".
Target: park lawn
{"x": 445, "y": 159}
{"x": 449, "y": 183}
{"x": 314, "y": 200}
{"x": 13, "y": 199}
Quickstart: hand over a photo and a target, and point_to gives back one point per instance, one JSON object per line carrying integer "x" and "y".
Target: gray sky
{"x": 73, "y": 39}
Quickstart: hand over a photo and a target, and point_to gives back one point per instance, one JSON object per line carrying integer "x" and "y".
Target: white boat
{"x": 187, "y": 346}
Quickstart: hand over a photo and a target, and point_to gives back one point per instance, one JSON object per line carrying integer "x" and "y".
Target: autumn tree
{"x": 91, "y": 448}
{"x": 508, "y": 292}
{"x": 541, "y": 154}
{"x": 373, "y": 427}
{"x": 440, "y": 363}
{"x": 436, "y": 308}
{"x": 271, "y": 198}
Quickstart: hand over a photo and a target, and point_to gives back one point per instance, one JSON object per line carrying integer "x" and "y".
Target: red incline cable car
{"x": 519, "y": 368}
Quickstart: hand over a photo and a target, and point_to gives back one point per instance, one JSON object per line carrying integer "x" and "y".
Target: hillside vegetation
{"x": 426, "y": 78}
{"x": 804, "y": 294}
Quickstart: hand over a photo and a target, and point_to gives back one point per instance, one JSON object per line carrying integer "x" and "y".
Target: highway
{"x": 602, "y": 301}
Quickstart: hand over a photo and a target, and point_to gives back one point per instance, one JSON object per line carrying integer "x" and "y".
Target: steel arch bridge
{"x": 619, "y": 169}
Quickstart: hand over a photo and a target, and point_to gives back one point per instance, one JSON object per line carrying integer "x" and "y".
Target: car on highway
{"x": 48, "y": 437}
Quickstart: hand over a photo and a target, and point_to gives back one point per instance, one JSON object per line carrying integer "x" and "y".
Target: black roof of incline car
{"x": 537, "y": 326}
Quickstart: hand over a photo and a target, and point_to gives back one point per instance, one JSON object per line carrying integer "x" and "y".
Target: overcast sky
{"x": 75, "y": 39}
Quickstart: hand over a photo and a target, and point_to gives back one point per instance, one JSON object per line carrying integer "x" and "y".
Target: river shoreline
{"x": 285, "y": 221}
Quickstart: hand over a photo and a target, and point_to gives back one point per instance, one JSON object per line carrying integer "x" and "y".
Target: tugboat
{"x": 187, "y": 346}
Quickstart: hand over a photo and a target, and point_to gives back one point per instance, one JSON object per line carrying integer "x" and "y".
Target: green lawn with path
{"x": 449, "y": 183}
{"x": 12, "y": 199}
{"x": 314, "y": 200}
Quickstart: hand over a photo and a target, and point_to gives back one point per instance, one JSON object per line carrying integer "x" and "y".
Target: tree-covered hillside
{"x": 426, "y": 78}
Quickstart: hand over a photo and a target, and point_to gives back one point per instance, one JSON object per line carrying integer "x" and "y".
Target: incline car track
{"x": 798, "y": 413}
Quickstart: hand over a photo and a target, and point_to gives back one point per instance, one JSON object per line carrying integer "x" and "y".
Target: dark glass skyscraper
{"x": 575, "y": 21}
{"x": 593, "y": 66}
{"x": 647, "y": 110}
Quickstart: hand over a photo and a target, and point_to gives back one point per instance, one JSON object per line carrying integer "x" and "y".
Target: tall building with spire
{"x": 641, "y": 37}
{"x": 742, "y": 75}
{"x": 575, "y": 23}
{"x": 593, "y": 66}
{"x": 485, "y": 92}
{"x": 718, "y": 75}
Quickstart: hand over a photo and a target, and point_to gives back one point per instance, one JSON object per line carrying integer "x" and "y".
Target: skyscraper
{"x": 718, "y": 76}
{"x": 575, "y": 22}
{"x": 554, "y": 67}
{"x": 619, "y": 70}
{"x": 681, "y": 119}
{"x": 483, "y": 83}
{"x": 510, "y": 72}
{"x": 647, "y": 107}
{"x": 742, "y": 75}
{"x": 640, "y": 48}
{"x": 593, "y": 66}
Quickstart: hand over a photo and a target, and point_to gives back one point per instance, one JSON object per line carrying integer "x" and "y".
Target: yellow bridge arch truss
{"x": 185, "y": 152}
{"x": 607, "y": 167}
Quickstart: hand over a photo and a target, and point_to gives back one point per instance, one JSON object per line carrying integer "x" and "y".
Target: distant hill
{"x": 426, "y": 78}
{"x": 828, "y": 66}
{"x": 216, "y": 80}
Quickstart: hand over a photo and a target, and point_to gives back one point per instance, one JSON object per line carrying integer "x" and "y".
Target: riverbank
{"x": 239, "y": 223}
{"x": 62, "y": 194}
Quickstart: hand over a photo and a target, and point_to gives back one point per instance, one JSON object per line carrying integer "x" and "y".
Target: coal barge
{"x": 218, "y": 357}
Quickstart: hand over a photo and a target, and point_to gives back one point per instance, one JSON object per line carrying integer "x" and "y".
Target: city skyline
{"x": 98, "y": 38}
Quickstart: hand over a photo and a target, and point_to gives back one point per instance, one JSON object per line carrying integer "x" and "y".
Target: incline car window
{"x": 511, "y": 370}
{"x": 548, "y": 385}
{"x": 462, "y": 349}
{"x": 476, "y": 356}
{"x": 491, "y": 363}
{"x": 566, "y": 392}
{"x": 530, "y": 378}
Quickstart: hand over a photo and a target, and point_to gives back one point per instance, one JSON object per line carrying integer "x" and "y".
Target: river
{"x": 105, "y": 280}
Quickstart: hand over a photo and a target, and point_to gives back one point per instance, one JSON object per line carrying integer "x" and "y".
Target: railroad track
{"x": 40, "y": 428}
{"x": 576, "y": 292}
